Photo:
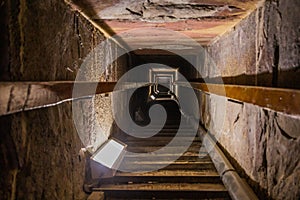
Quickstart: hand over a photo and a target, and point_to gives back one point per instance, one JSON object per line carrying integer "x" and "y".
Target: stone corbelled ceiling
{"x": 202, "y": 20}
{"x": 167, "y": 11}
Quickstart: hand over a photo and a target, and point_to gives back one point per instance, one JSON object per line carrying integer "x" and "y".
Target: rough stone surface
{"x": 262, "y": 142}
{"x": 200, "y": 20}
{"x": 153, "y": 10}
{"x": 40, "y": 42}
{"x": 47, "y": 41}
{"x": 263, "y": 49}
{"x": 100, "y": 119}
{"x": 239, "y": 57}
{"x": 39, "y": 149}
{"x": 39, "y": 155}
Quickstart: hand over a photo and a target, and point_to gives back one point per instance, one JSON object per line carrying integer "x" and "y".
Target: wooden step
{"x": 172, "y": 127}
{"x": 141, "y": 198}
{"x": 167, "y": 153}
{"x": 166, "y": 130}
{"x": 156, "y": 136}
{"x": 204, "y": 157}
{"x": 175, "y": 166}
{"x": 164, "y": 191}
{"x": 171, "y": 149}
{"x": 165, "y": 176}
{"x": 129, "y": 138}
{"x": 151, "y": 143}
{"x": 158, "y": 162}
{"x": 163, "y": 186}
{"x": 164, "y": 172}
{"x": 161, "y": 134}
{"x": 161, "y": 179}
{"x": 155, "y": 143}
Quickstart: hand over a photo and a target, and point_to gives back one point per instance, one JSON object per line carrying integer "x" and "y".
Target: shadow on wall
{"x": 87, "y": 8}
{"x": 283, "y": 79}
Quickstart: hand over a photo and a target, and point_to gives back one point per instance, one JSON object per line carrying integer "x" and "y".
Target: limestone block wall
{"x": 263, "y": 143}
{"x": 39, "y": 155}
{"x": 39, "y": 149}
{"x": 262, "y": 50}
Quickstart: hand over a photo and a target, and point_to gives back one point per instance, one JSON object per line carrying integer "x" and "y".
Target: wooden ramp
{"x": 188, "y": 177}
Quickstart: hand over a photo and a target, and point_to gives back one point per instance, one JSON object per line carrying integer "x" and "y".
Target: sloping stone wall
{"x": 39, "y": 155}
{"x": 39, "y": 149}
{"x": 265, "y": 144}
{"x": 261, "y": 50}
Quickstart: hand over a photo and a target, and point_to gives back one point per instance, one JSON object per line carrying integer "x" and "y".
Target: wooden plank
{"x": 164, "y": 186}
{"x": 159, "y": 162}
{"x": 192, "y": 148}
{"x": 167, "y": 130}
{"x": 170, "y": 173}
{"x": 161, "y": 179}
{"x": 177, "y": 194}
{"x": 158, "y": 138}
{"x": 160, "y": 143}
{"x": 173, "y": 166}
{"x": 166, "y": 153}
{"x": 277, "y": 99}
{"x": 22, "y": 96}
{"x": 166, "y": 158}
{"x": 154, "y": 158}
{"x": 167, "y": 134}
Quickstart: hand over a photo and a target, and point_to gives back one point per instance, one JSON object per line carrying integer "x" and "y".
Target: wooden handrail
{"x": 22, "y": 96}
{"x": 278, "y": 99}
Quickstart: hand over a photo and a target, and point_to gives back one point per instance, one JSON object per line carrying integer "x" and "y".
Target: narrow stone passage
{"x": 68, "y": 69}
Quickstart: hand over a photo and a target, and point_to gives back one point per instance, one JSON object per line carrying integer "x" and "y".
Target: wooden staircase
{"x": 189, "y": 177}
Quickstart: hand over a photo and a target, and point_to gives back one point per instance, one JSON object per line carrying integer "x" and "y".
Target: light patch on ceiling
{"x": 166, "y": 10}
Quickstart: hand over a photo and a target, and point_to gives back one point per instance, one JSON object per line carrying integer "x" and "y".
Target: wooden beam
{"x": 22, "y": 96}
{"x": 278, "y": 99}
